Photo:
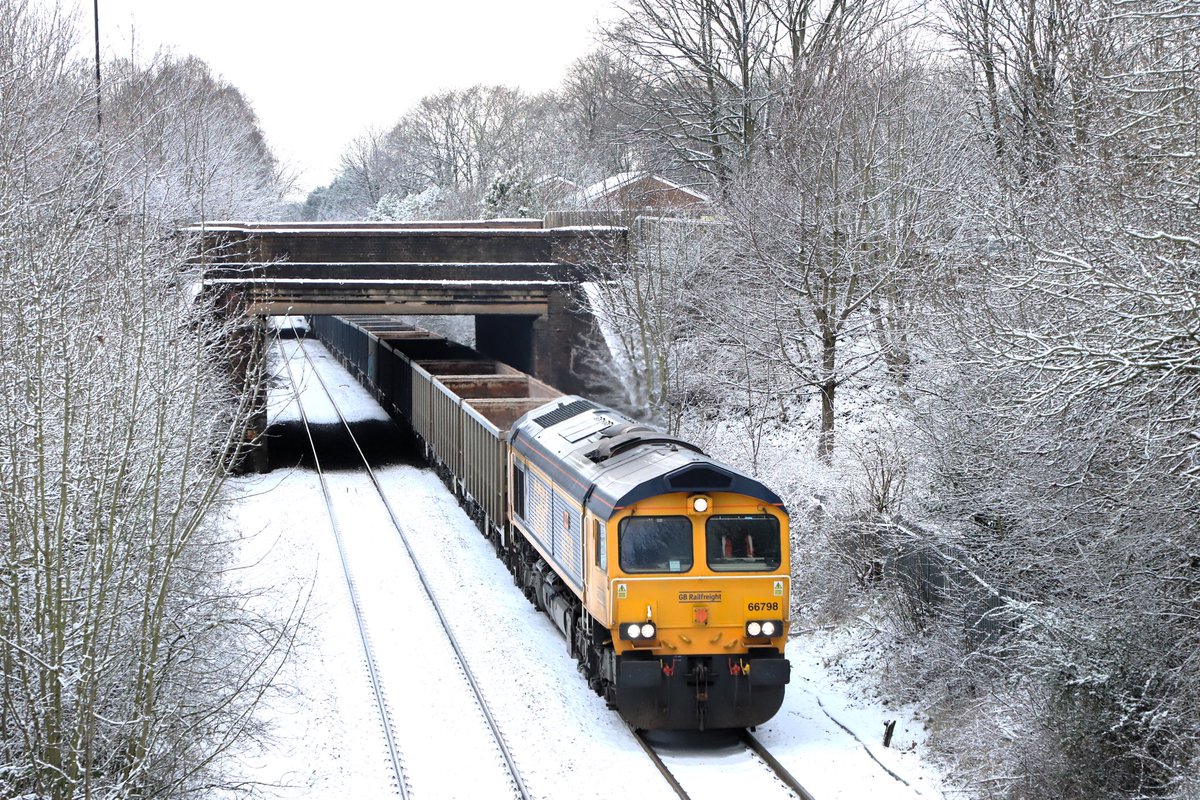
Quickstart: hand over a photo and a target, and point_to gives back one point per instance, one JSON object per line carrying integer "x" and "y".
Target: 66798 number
{"x": 769, "y": 605}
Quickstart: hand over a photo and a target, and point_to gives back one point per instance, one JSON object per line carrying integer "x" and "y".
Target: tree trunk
{"x": 828, "y": 387}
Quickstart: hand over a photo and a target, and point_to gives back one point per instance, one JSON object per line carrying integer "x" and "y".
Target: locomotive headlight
{"x": 700, "y": 504}
{"x": 640, "y": 632}
{"x": 763, "y": 628}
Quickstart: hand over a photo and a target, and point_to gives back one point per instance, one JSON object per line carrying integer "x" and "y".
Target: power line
{"x": 96, "y": 17}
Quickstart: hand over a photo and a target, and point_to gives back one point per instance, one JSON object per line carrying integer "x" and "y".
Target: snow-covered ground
{"x": 327, "y": 732}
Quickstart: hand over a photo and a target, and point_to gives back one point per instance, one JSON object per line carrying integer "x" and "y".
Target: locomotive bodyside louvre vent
{"x": 700, "y": 478}
{"x": 563, "y": 413}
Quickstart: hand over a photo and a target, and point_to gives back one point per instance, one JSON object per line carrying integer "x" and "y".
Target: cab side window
{"x": 518, "y": 498}
{"x": 600, "y": 542}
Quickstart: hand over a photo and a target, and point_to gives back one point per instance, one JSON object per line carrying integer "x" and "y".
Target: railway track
{"x": 395, "y": 754}
{"x": 691, "y": 772}
{"x": 759, "y": 773}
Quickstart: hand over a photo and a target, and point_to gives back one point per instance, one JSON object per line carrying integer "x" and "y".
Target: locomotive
{"x": 667, "y": 572}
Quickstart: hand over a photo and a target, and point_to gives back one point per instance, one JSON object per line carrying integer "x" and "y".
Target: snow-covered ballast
{"x": 687, "y": 604}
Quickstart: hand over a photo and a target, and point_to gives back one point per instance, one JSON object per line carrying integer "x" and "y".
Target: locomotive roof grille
{"x": 564, "y": 413}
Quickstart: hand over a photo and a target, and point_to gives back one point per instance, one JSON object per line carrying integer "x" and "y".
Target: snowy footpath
{"x": 325, "y": 737}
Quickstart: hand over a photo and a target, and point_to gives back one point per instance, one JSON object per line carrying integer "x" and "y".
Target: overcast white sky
{"x": 318, "y": 73}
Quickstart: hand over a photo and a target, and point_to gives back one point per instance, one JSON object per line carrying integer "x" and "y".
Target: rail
{"x": 773, "y": 763}
{"x": 753, "y": 746}
{"x": 510, "y": 763}
{"x": 640, "y": 737}
{"x": 369, "y": 653}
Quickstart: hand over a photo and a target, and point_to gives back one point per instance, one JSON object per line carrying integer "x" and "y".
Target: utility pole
{"x": 96, "y": 18}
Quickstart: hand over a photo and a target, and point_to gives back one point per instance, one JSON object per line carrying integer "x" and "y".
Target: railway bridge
{"x": 519, "y": 280}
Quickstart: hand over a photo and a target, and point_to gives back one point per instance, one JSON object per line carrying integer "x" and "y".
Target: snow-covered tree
{"x": 649, "y": 307}
{"x": 708, "y": 72}
{"x": 594, "y": 126}
{"x": 422, "y": 205}
{"x": 199, "y": 135}
{"x": 127, "y": 662}
{"x": 1064, "y": 420}
{"x": 831, "y": 236}
{"x": 510, "y": 194}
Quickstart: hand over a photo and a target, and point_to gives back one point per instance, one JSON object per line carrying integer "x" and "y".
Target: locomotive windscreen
{"x": 749, "y": 543}
{"x": 656, "y": 544}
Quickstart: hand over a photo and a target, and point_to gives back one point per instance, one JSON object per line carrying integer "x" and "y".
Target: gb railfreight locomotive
{"x": 667, "y": 572}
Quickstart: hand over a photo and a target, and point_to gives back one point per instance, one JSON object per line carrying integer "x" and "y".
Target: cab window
{"x": 600, "y": 535}
{"x": 655, "y": 544}
{"x": 743, "y": 543}
{"x": 518, "y": 498}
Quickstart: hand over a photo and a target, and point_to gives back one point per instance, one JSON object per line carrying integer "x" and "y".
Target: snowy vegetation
{"x": 127, "y": 660}
{"x": 474, "y": 145}
{"x": 977, "y": 267}
{"x": 953, "y": 257}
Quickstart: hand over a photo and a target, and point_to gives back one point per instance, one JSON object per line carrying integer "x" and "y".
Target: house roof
{"x": 614, "y": 183}
{"x": 555, "y": 181}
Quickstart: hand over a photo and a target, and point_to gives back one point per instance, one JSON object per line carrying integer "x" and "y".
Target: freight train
{"x": 666, "y": 571}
